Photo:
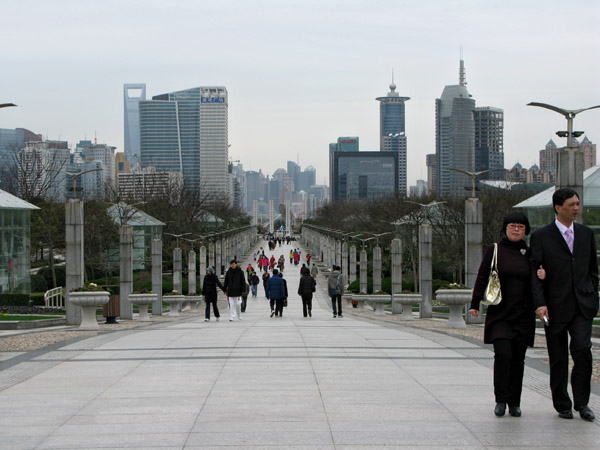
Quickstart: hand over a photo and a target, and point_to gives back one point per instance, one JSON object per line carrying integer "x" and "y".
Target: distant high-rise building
{"x": 455, "y": 137}
{"x": 364, "y": 175}
{"x": 432, "y": 172}
{"x": 392, "y": 133}
{"x": 187, "y": 131}
{"x": 293, "y": 170}
{"x": 343, "y": 144}
{"x": 147, "y": 183}
{"x": 11, "y": 142}
{"x": 489, "y": 141}
{"x": 121, "y": 166}
{"x": 103, "y": 153}
{"x": 306, "y": 179}
{"x": 42, "y": 167}
{"x": 549, "y": 155}
{"x": 133, "y": 93}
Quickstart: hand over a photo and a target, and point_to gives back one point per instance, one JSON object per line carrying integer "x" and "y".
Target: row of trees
{"x": 181, "y": 208}
{"x": 401, "y": 217}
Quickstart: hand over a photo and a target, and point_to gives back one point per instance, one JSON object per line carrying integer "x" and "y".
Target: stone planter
{"x": 348, "y": 298}
{"x": 456, "y": 299}
{"x": 402, "y": 303}
{"x": 378, "y": 300}
{"x": 175, "y": 302}
{"x": 194, "y": 301}
{"x": 89, "y": 301}
{"x": 143, "y": 300}
{"x": 360, "y": 300}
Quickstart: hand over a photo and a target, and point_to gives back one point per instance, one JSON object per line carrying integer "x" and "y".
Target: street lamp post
{"x": 569, "y": 171}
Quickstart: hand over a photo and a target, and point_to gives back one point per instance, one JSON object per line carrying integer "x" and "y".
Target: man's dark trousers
{"x": 336, "y": 298}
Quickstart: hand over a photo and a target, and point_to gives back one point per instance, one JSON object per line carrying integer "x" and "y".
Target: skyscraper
{"x": 489, "y": 141}
{"x": 133, "y": 93}
{"x": 392, "y": 135}
{"x": 187, "y": 131}
{"x": 454, "y": 136}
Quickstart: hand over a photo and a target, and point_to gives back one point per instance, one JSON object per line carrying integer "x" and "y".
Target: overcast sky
{"x": 300, "y": 73}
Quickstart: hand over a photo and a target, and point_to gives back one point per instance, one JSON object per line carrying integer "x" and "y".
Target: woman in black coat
{"x": 510, "y": 325}
{"x": 209, "y": 290}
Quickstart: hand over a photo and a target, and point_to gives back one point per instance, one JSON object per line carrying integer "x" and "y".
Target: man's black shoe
{"x": 514, "y": 411}
{"x": 566, "y": 414}
{"x": 500, "y": 409}
{"x": 586, "y": 413}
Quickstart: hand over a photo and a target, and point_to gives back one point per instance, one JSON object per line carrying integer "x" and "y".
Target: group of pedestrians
{"x": 557, "y": 278}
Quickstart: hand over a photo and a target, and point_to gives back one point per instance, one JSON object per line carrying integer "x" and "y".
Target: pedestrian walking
{"x": 209, "y": 291}
{"x": 314, "y": 271}
{"x": 510, "y": 325}
{"x": 296, "y": 257}
{"x": 306, "y": 287}
{"x": 335, "y": 286}
{"x": 235, "y": 286}
{"x": 291, "y": 256}
{"x": 265, "y": 278}
{"x": 254, "y": 282}
{"x": 567, "y": 300}
{"x": 276, "y": 293}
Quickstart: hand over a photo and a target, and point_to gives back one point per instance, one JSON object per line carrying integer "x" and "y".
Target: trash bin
{"x": 113, "y": 308}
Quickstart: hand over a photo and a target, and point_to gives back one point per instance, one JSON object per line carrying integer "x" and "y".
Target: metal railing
{"x": 55, "y": 298}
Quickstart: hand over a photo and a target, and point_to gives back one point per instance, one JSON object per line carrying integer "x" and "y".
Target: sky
{"x": 301, "y": 73}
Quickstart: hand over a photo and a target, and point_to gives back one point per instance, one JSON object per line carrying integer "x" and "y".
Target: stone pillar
{"x": 74, "y": 256}
{"x": 473, "y": 248}
{"x": 255, "y": 212}
{"x": 363, "y": 271}
{"x": 288, "y": 218}
{"x": 271, "y": 216}
{"x": 338, "y": 252}
{"x": 345, "y": 261}
{"x": 157, "y": 276}
{"x": 377, "y": 269}
{"x": 425, "y": 271}
{"x": 211, "y": 255}
{"x": 177, "y": 266}
{"x": 570, "y": 174}
{"x": 397, "y": 266}
{"x": 126, "y": 271}
{"x": 192, "y": 273}
{"x": 352, "y": 264}
{"x": 202, "y": 266}
{"x": 218, "y": 257}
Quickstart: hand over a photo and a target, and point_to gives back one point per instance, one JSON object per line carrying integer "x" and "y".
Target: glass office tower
{"x": 392, "y": 133}
{"x": 187, "y": 131}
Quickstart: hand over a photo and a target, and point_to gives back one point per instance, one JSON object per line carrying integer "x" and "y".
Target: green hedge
{"x": 14, "y": 299}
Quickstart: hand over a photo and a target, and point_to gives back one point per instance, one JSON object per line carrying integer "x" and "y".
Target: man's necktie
{"x": 569, "y": 238}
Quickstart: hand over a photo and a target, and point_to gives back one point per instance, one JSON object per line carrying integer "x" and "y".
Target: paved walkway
{"x": 290, "y": 383}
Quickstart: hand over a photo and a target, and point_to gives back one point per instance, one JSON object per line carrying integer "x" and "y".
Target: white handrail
{"x": 55, "y": 298}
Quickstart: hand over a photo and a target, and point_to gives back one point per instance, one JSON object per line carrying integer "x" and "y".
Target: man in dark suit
{"x": 568, "y": 299}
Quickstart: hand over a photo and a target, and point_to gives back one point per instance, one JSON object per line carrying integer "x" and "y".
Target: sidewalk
{"x": 290, "y": 383}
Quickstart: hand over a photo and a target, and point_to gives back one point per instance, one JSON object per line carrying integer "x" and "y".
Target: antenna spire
{"x": 462, "y": 79}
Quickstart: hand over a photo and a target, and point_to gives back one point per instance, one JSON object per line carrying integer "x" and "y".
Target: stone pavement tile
{"x": 20, "y": 442}
{"x": 414, "y": 437}
{"x": 270, "y": 426}
{"x": 260, "y": 447}
{"x": 409, "y": 447}
{"x": 123, "y": 441}
{"x": 401, "y": 396}
{"x": 547, "y": 438}
{"x": 156, "y": 405}
{"x": 24, "y": 427}
{"x": 375, "y": 412}
{"x": 267, "y": 438}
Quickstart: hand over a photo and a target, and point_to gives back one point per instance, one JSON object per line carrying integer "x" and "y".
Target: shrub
{"x": 61, "y": 276}
{"x": 38, "y": 283}
{"x": 37, "y": 299}
{"x": 14, "y": 299}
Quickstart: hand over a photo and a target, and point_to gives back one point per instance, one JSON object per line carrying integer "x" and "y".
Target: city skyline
{"x": 294, "y": 84}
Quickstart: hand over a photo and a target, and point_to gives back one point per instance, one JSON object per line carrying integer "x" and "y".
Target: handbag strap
{"x": 494, "y": 265}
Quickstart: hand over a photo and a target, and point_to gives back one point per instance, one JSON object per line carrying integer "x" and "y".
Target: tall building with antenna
{"x": 454, "y": 136}
{"x": 392, "y": 130}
